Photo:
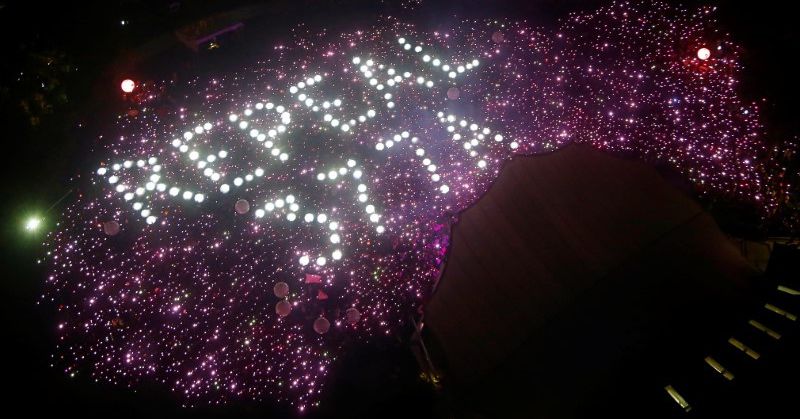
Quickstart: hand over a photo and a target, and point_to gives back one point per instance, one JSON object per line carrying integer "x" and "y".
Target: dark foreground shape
{"x": 582, "y": 284}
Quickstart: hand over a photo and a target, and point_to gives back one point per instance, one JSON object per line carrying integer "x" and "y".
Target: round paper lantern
{"x": 498, "y": 37}
{"x": 283, "y": 308}
{"x": 353, "y": 315}
{"x": 453, "y": 93}
{"x": 703, "y": 53}
{"x": 111, "y": 228}
{"x": 242, "y": 206}
{"x": 321, "y": 325}
{"x": 281, "y": 289}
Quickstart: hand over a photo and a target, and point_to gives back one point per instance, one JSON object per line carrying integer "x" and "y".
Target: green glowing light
{"x": 33, "y": 223}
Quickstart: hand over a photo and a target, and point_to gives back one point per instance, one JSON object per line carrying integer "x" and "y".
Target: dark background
{"x": 53, "y": 113}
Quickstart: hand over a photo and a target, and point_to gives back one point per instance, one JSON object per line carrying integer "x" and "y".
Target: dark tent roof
{"x": 580, "y": 280}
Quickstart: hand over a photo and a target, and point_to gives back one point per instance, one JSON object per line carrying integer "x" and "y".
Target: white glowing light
{"x": 127, "y": 85}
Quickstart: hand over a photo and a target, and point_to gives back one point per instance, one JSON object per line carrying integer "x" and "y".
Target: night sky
{"x": 63, "y": 111}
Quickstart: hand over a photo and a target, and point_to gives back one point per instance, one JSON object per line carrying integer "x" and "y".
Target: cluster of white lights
{"x": 419, "y": 152}
{"x": 451, "y": 70}
{"x": 471, "y": 134}
{"x": 268, "y": 136}
{"x": 288, "y": 207}
{"x": 380, "y": 77}
{"x": 362, "y": 196}
{"x": 316, "y": 105}
{"x": 140, "y": 194}
{"x": 394, "y": 78}
{"x": 205, "y": 163}
{"x": 239, "y": 180}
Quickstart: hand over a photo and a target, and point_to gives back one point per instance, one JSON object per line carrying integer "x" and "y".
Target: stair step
{"x": 781, "y": 312}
